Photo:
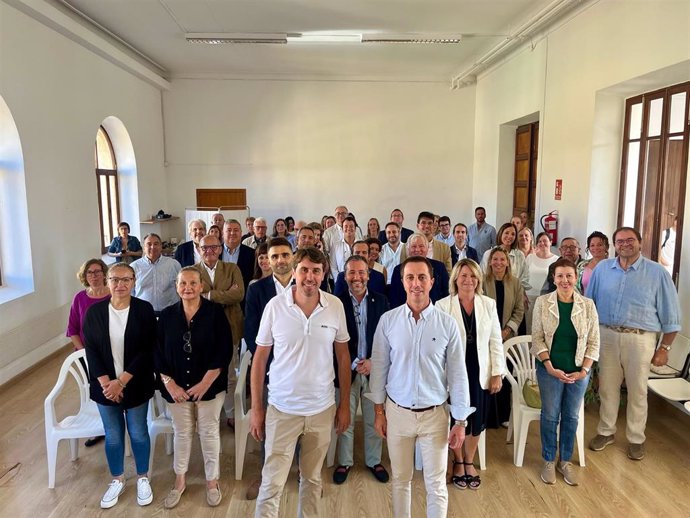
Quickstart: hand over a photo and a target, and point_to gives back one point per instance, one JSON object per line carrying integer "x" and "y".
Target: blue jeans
{"x": 559, "y": 402}
{"x": 114, "y": 424}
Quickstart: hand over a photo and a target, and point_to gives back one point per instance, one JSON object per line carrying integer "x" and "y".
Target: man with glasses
{"x": 570, "y": 249}
{"x": 397, "y": 217}
{"x": 222, "y": 283}
{"x": 237, "y": 253}
{"x": 636, "y": 301}
{"x": 363, "y": 309}
{"x": 444, "y": 235}
{"x": 260, "y": 227}
{"x": 334, "y": 234}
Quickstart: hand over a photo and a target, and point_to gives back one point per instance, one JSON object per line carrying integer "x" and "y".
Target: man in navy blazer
{"x": 184, "y": 253}
{"x": 377, "y": 282}
{"x": 396, "y": 292}
{"x": 258, "y": 295}
{"x": 363, "y": 309}
{"x": 235, "y": 252}
{"x": 461, "y": 248}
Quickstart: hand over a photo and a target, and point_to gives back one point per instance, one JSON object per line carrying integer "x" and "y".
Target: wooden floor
{"x": 611, "y": 485}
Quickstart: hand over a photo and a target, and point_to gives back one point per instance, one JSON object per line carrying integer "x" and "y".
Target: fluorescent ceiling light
{"x": 320, "y": 38}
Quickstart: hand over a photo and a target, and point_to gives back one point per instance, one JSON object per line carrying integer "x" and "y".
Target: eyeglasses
{"x": 569, "y": 247}
{"x": 341, "y": 213}
{"x": 629, "y": 241}
{"x": 209, "y": 248}
{"x": 123, "y": 280}
{"x": 94, "y": 272}
{"x": 187, "y": 346}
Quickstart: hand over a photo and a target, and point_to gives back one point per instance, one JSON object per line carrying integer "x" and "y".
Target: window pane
{"x": 104, "y": 153}
{"x": 677, "y": 113}
{"x": 649, "y": 196}
{"x": 631, "y": 175}
{"x": 113, "y": 201}
{"x": 635, "y": 121}
{"x": 654, "y": 126}
{"x": 107, "y": 232}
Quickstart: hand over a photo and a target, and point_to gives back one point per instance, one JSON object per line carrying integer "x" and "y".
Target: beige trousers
{"x": 282, "y": 432}
{"x": 624, "y": 356}
{"x": 205, "y": 416}
{"x": 430, "y": 428}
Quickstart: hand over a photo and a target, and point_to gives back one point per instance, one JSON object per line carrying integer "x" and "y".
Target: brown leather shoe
{"x": 253, "y": 489}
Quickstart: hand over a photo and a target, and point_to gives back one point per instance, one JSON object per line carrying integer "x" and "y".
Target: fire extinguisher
{"x": 549, "y": 222}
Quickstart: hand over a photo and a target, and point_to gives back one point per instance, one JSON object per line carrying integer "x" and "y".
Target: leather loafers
{"x": 379, "y": 473}
{"x": 340, "y": 474}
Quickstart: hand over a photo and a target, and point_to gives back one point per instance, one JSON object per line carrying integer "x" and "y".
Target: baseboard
{"x": 32, "y": 358}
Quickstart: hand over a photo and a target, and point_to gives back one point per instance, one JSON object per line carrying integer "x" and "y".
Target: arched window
{"x": 108, "y": 193}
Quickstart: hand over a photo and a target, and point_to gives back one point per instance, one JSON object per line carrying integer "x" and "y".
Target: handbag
{"x": 530, "y": 392}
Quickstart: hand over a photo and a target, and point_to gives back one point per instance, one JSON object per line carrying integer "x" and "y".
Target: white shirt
{"x": 197, "y": 255}
{"x": 338, "y": 254}
{"x": 211, "y": 272}
{"x": 538, "y": 270}
{"x": 419, "y": 363}
{"x": 301, "y": 374}
{"x": 117, "y": 323}
{"x": 390, "y": 259}
{"x": 280, "y": 289}
{"x": 668, "y": 251}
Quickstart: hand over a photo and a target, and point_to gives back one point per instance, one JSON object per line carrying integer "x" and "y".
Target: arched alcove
{"x": 16, "y": 271}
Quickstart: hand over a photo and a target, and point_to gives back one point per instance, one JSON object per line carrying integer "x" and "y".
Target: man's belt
{"x": 627, "y": 330}
{"x": 425, "y": 409}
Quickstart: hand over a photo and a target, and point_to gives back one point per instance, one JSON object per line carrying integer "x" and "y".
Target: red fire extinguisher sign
{"x": 559, "y": 189}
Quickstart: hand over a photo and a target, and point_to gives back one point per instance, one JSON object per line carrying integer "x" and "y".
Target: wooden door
{"x": 525, "y": 180}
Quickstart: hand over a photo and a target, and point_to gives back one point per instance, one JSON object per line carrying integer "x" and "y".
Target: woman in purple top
{"x": 92, "y": 274}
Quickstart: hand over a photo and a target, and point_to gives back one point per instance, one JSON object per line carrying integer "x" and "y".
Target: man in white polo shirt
{"x": 302, "y": 327}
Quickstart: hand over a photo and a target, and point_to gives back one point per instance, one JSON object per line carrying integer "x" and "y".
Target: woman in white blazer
{"x": 480, "y": 330}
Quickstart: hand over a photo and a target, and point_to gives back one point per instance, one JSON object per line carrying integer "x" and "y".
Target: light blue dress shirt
{"x": 155, "y": 282}
{"x": 642, "y": 297}
{"x": 481, "y": 239}
{"x": 360, "y": 309}
{"x": 230, "y": 257}
{"x": 419, "y": 363}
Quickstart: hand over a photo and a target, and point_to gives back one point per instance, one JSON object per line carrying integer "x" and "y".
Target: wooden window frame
{"x": 110, "y": 196}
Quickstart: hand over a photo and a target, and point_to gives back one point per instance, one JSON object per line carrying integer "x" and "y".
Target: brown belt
{"x": 627, "y": 330}
{"x": 414, "y": 409}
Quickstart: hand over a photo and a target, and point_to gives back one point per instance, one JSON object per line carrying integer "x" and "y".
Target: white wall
{"x": 59, "y": 93}
{"x": 570, "y": 78}
{"x": 301, "y": 148}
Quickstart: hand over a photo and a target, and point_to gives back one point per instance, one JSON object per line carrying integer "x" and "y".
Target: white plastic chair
{"x": 159, "y": 422}
{"x": 85, "y": 423}
{"x": 242, "y": 416}
{"x": 524, "y": 367}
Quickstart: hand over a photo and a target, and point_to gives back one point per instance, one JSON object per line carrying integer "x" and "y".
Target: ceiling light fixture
{"x": 320, "y": 38}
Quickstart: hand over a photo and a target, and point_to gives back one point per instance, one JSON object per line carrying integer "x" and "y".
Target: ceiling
{"x": 156, "y": 28}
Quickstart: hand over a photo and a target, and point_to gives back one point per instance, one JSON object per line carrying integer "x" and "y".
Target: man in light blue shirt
{"x": 445, "y": 235}
{"x": 156, "y": 275}
{"x": 481, "y": 235}
{"x": 636, "y": 301}
{"x": 418, "y": 360}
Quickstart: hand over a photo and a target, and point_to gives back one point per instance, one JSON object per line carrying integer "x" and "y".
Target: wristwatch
{"x": 666, "y": 347}
{"x": 461, "y": 422}
{"x": 586, "y": 369}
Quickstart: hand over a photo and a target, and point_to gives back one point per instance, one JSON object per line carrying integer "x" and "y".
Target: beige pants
{"x": 229, "y": 404}
{"x": 624, "y": 356}
{"x": 205, "y": 415}
{"x": 430, "y": 428}
{"x": 282, "y": 432}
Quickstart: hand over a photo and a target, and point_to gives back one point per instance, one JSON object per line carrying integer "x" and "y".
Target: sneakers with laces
{"x": 636, "y": 451}
{"x": 567, "y": 469}
{"x": 115, "y": 489}
{"x": 600, "y": 442}
{"x": 144, "y": 492}
{"x": 548, "y": 472}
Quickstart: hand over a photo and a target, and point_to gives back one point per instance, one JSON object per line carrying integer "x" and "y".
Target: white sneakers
{"x": 116, "y": 487}
{"x": 144, "y": 493}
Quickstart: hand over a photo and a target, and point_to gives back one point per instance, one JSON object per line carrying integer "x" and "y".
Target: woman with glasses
{"x": 92, "y": 274}
{"x": 194, "y": 350}
{"x": 119, "y": 338}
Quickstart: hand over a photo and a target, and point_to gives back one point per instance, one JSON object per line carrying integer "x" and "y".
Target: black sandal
{"x": 472, "y": 481}
{"x": 459, "y": 481}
